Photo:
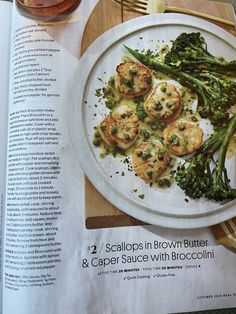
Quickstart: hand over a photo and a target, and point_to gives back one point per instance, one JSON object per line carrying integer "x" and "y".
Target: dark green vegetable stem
{"x": 189, "y": 53}
{"x": 216, "y": 94}
{"x": 196, "y": 177}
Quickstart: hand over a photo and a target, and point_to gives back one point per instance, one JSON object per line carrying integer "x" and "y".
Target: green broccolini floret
{"x": 216, "y": 97}
{"x": 189, "y": 53}
{"x": 216, "y": 94}
{"x": 197, "y": 178}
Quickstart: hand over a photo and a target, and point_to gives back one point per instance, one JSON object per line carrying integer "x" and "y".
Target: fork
{"x": 159, "y": 6}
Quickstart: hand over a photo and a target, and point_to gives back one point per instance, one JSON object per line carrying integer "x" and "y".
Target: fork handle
{"x": 200, "y": 14}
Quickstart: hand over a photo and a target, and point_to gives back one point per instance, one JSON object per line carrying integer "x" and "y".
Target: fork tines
{"x": 135, "y": 5}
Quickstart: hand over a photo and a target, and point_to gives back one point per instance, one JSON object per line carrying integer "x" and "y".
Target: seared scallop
{"x": 183, "y": 137}
{"x": 133, "y": 79}
{"x": 121, "y": 128}
{"x": 150, "y": 160}
{"x": 164, "y": 103}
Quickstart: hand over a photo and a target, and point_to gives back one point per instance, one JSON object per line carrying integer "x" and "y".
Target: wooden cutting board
{"x": 99, "y": 212}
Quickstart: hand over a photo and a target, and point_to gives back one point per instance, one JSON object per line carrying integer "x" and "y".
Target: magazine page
{"x": 177, "y": 266}
{"x": 69, "y": 248}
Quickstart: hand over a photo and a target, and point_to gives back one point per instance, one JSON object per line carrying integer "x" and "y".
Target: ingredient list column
{"x": 32, "y": 246}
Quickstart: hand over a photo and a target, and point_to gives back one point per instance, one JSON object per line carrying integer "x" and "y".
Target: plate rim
{"x": 79, "y": 143}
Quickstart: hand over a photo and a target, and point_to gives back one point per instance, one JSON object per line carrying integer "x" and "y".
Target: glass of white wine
{"x": 47, "y": 10}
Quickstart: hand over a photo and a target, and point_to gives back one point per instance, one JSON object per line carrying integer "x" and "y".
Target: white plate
{"x": 163, "y": 207}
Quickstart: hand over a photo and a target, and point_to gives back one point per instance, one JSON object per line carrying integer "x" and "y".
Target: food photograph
{"x": 156, "y": 119}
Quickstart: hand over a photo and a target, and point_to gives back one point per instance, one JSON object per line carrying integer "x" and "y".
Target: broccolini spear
{"x": 196, "y": 178}
{"x": 189, "y": 53}
{"x": 216, "y": 94}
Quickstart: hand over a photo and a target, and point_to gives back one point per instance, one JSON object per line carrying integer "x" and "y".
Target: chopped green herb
{"x": 141, "y": 196}
{"x": 98, "y": 92}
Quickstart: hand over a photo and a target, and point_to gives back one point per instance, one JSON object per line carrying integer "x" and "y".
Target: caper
{"x": 127, "y": 136}
{"x": 96, "y": 141}
{"x": 133, "y": 71}
{"x": 194, "y": 119}
{"x": 112, "y": 80}
{"x": 164, "y": 182}
{"x": 169, "y": 105}
{"x": 160, "y": 155}
{"x": 146, "y": 155}
{"x": 113, "y": 130}
{"x": 149, "y": 173}
{"x": 107, "y": 90}
{"x": 181, "y": 127}
{"x": 149, "y": 80}
{"x": 154, "y": 126}
{"x": 157, "y": 106}
{"x": 127, "y": 82}
{"x": 97, "y": 135}
{"x": 146, "y": 134}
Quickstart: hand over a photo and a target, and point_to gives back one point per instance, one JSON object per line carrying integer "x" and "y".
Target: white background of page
{"x": 92, "y": 290}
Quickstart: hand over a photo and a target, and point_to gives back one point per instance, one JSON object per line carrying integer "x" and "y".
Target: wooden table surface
{"x": 99, "y": 212}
